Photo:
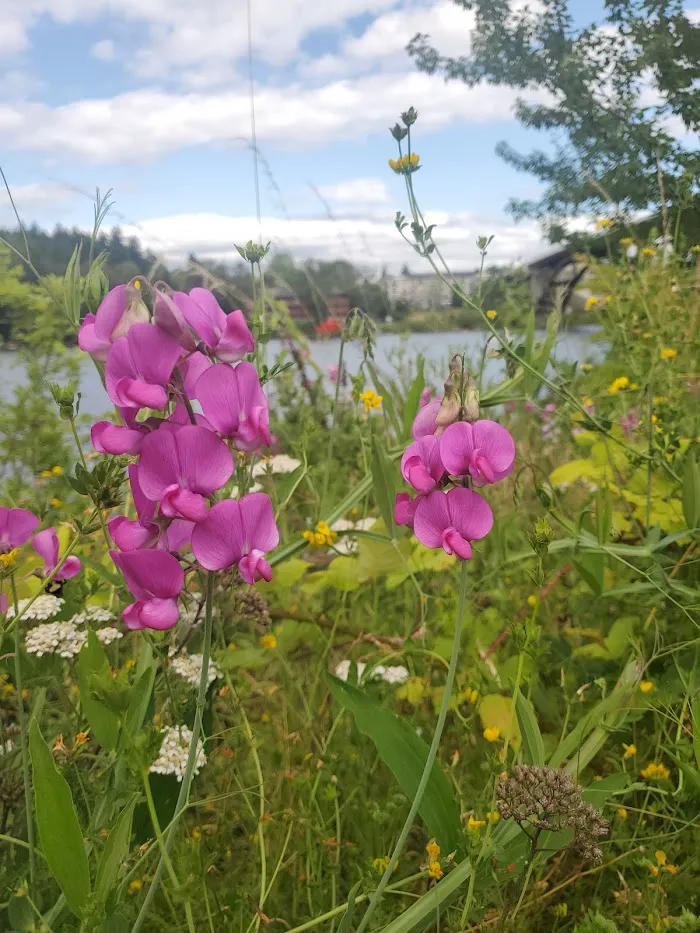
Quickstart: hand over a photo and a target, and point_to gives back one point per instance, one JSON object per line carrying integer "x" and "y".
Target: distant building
{"x": 338, "y": 307}
{"x": 425, "y": 290}
{"x": 297, "y": 309}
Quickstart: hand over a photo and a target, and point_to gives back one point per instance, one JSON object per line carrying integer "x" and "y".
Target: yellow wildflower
{"x": 590, "y": 303}
{"x": 661, "y": 857}
{"x": 82, "y": 738}
{"x": 647, "y": 686}
{"x": 627, "y": 241}
{"x": 57, "y": 470}
{"x": 622, "y": 382}
{"x": 55, "y": 503}
{"x": 621, "y": 813}
{"x": 46, "y": 474}
{"x": 323, "y": 536}
{"x": 492, "y": 733}
{"x": 265, "y": 717}
{"x": 586, "y": 367}
{"x": 493, "y": 816}
{"x": 647, "y": 335}
{"x": 659, "y": 399}
{"x": 648, "y": 251}
{"x": 532, "y": 600}
{"x": 9, "y": 561}
{"x": 435, "y": 871}
{"x": 412, "y": 691}
{"x": 381, "y": 864}
{"x": 474, "y": 826}
{"x": 413, "y": 159}
{"x": 269, "y": 642}
{"x": 135, "y": 886}
{"x": 491, "y": 314}
{"x": 695, "y": 248}
{"x": 470, "y": 696}
{"x": 196, "y": 834}
{"x": 560, "y": 910}
{"x": 630, "y": 750}
{"x": 405, "y": 164}
{"x": 668, "y": 353}
{"x": 231, "y": 646}
{"x": 654, "y": 870}
{"x": 671, "y": 869}
{"x": 433, "y": 850}
{"x": 8, "y": 689}
{"x": 655, "y": 771}
{"x": 604, "y": 223}
{"x": 371, "y": 400}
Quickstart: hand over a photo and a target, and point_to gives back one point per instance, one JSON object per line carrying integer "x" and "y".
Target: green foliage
{"x": 596, "y": 923}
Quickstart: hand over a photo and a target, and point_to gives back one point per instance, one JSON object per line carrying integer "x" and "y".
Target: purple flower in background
{"x": 169, "y": 318}
{"x": 484, "y": 450}
{"x": 16, "y": 527}
{"x": 226, "y": 336}
{"x": 424, "y": 423}
{"x": 233, "y": 402}
{"x": 425, "y": 397}
{"x": 155, "y": 578}
{"x": 333, "y": 373}
{"x": 451, "y": 520}
{"x": 45, "y": 543}
{"x": 238, "y": 532}
{"x": 139, "y": 367}
{"x": 179, "y": 466}
{"x": 119, "y": 310}
{"x": 630, "y": 422}
{"x": 421, "y": 464}
{"x": 405, "y": 509}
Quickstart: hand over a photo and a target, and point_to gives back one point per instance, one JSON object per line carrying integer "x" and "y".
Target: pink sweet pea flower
{"x": 169, "y": 318}
{"x": 424, "y": 423}
{"x": 145, "y": 532}
{"x": 405, "y": 509}
{"x": 110, "y": 438}
{"x": 484, "y": 450}
{"x": 238, "y": 532}
{"x": 233, "y": 401}
{"x": 16, "y": 527}
{"x": 45, "y": 543}
{"x": 451, "y": 520}
{"x": 426, "y": 397}
{"x": 155, "y": 578}
{"x": 139, "y": 367}
{"x": 421, "y": 465}
{"x": 179, "y": 466}
{"x": 120, "y": 309}
{"x": 226, "y": 336}
{"x": 190, "y": 369}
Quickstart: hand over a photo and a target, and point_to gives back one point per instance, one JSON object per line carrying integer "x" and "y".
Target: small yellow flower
{"x": 627, "y": 241}
{"x": 695, "y": 248}
{"x": 269, "y": 642}
{"x": 630, "y": 750}
{"x": 668, "y": 353}
{"x": 491, "y": 314}
{"x": 654, "y": 870}
{"x": 661, "y": 857}
{"x": 231, "y": 646}
{"x": 8, "y": 690}
{"x": 433, "y": 850}
{"x": 561, "y": 910}
{"x": 671, "y": 869}
{"x": 586, "y": 367}
{"x": 492, "y": 733}
{"x": 621, "y": 813}
{"x": 371, "y": 400}
{"x": 532, "y": 601}
{"x": 196, "y": 834}
{"x": 413, "y": 691}
{"x": 474, "y": 826}
{"x": 655, "y": 771}
{"x": 82, "y": 738}
{"x": 647, "y": 335}
{"x": 493, "y": 816}
{"x": 405, "y": 165}
{"x": 470, "y": 696}
{"x": 265, "y": 717}
{"x": 135, "y": 886}
{"x": 381, "y": 864}
{"x": 622, "y": 382}
{"x": 55, "y": 503}
{"x": 604, "y": 223}
{"x": 413, "y": 159}
{"x": 46, "y": 474}
{"x": 323, "y": 536}
{"x": 648, "y": 251}
{"x": 591, "y": 303}
{"x": 647, "y": 686}
{"x": 394, "y": 165}
{"x": 57, "y": 470}
{"x": 435, "y": 871}
{"x": 9, "y": 561}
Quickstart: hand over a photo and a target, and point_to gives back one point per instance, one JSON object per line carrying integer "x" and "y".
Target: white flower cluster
{"x": 109, "y": 634}
{"x": 189, "y": 667}
{"x": 97, "y": 614}
{"x": 396, "y": 674}
{"x": 62, "y": 638}
{"x": 279, "y": 463}
{"x": 45, "y": 607}
{"x": 174, "y": 750}
{"x": 347, "y": 544}
{"x": 7, "y": 747}
{"x": 235, "y": 491}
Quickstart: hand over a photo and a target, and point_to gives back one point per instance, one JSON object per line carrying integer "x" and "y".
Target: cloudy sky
{"x": 151, "y": 98}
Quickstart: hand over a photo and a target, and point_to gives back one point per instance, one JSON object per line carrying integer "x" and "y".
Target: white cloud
{"x": 362, "y": 191}
{"x": 32, "y": 198}
{"x": 105, "y": 50}
{"x": 370, "y": 240}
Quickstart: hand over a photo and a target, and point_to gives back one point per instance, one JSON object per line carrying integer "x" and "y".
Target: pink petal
{"x": 191, "y": 369}
{"x": 470, "y": 513}
{"x": 424, "y": 422}
{"x": 454, "y": 543}
{"x": 181, "y": 503}
{"x": 169, "y": 318}
{"x": 260, "y": 530}
{"x": 71, "y": 567}
{"x": 176, "y": 536}
{"x": 236, "y": 339}
{"x": 129, "y": 535}
{"x": 158, "y": 614}
{"x": 3, "y": 604}
{"x": 16, "y": 527}
{"x": 145, "y": 509}
{"x": 404, "y": 509}
{"x": 202, "y": 312}
{"x": 218, "y": 541}
{"x": 253, "y": 567}
{"x": 497, "y": 446}
{"x": 189, "y": 457}
{"x": 109, "y": 313}
{"x": 45, "y": 543}
{"x": 421, "y": 465}
{"x": 150, "y": 573}
{"x": 108, "y": 438}
{"x": 431, "y": 518}
{"x": 135, "y": 393}
{"x": 89, "y": 342}
{"x": 140, "y": 363}
{"x": 485, "y": 450}
{"x": 233, "y": 402}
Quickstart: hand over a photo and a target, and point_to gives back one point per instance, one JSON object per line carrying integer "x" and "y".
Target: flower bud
{"x": 470, "y": 400}
{"x": 96, "y": 287}
{"x": 398, "y": 132}
{"x": 409, "y": 116}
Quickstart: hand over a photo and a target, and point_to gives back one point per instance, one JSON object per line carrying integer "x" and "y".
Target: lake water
{"x": 574, "y": 344}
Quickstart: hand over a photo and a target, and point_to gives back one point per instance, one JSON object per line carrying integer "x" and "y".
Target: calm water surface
{"x": 391, "y": 349}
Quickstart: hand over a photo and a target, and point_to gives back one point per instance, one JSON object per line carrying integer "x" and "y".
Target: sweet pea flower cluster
{"x": 453, "y": 450}
{"x": 157, "y": 367}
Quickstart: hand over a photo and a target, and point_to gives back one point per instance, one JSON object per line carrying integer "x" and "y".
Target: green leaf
{"x": 290, "y": 572}
{"x": 405, "y": 753}
{"x": 603, "y": 514}
{"x": 59, "y": 829}
{"x": 598, "y": 792}
{"x": 72, "y": 289}
{"x": 139, "y": 699}
{"x": 591, "y": 567}
{"x": 533, "y": 746}
{"x": 21, "y": 915}
{"x": 425, "y": 911}
{"x": 410, "y": 408}
{"x": 384, "y": 480}
{"x": 349, "y": 910}
{"x": 695, "y": 710}
{"x": 115, "y": 851}
{"x": 496, "y": 711}
{"x": 93, "y": 668}
{"x": 691, "y": 491}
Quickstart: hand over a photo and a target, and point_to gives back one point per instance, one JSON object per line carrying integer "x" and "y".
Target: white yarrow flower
{"x": 43, "y": 608}
{"x": 398, "y": 674}
{"x": 189, "y": 667}
{"x": 395, "y": 675}
{"x": 279, "y": 463}
{"x": 174, "y": 751}
{"x": 256, "y": 487}
{"x": 347, "y": 544}
{"x": 109, "y": 634}
{"x": 61, "y": 638}
{"x": 97, "y": 614}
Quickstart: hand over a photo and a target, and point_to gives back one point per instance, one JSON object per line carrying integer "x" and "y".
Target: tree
{"x": 616, "y": 96}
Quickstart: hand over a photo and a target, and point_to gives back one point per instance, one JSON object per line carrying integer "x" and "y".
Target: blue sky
{"x": 150, "y": 98}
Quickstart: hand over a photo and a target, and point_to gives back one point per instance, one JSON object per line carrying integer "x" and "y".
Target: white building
{"x": 425, "y": 290}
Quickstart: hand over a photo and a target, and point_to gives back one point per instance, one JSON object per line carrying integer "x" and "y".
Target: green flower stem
{"x": 83, "y": 462}
{"x": 331, "y": 438}
{"x": 21, "y": 715}
{"x": 430, "y": 761}
{"x": 183, "y": 796}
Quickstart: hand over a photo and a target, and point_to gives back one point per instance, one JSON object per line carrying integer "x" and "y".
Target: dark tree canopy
{"x": 617, "y": 97}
